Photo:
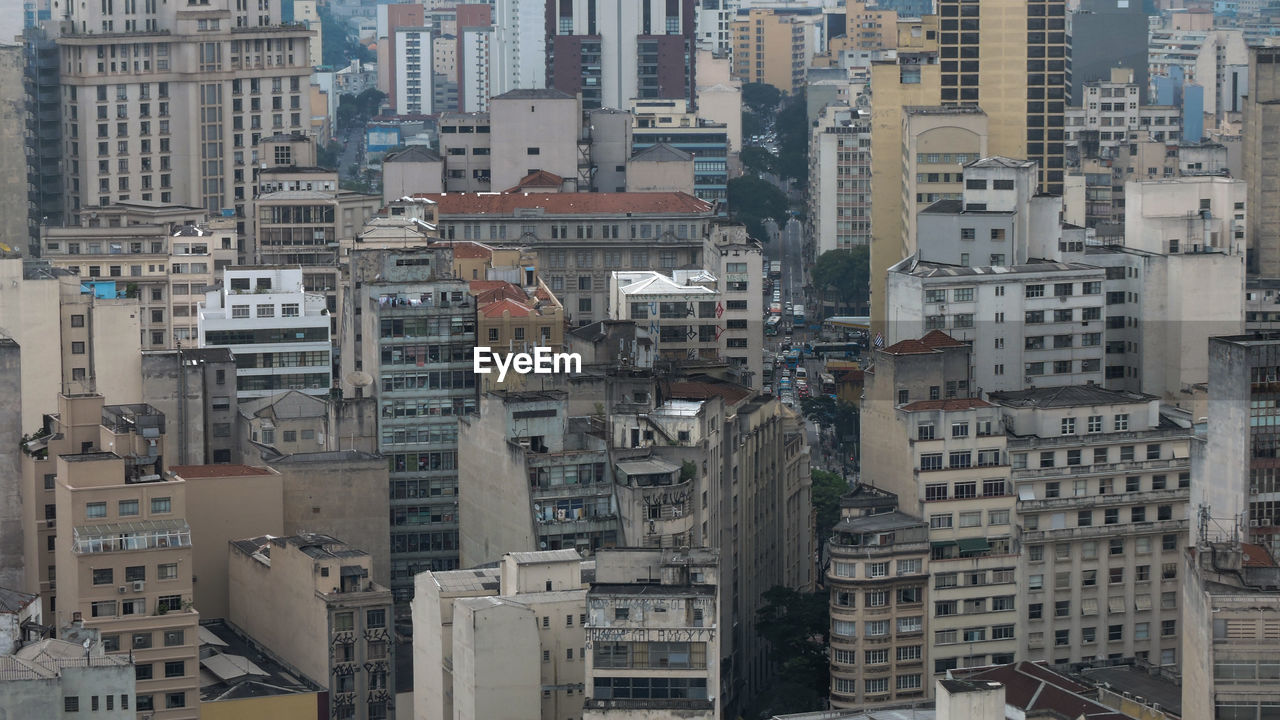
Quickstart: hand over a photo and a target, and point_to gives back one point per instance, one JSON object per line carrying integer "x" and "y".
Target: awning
{"x": 943, "y": 543}
{"x": 973, "y": 545}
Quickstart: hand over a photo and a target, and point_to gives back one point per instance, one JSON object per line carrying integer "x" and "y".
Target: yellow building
{"x": 770, "y": 47}
{"x": 867, "y": 28}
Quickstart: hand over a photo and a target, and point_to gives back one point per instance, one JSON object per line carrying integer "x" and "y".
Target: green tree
{"x": 327, "y": 156}
{"x": 846, "y": 273}
{"x": 793, "y": 139}
{"x": 339, "y": 46}
{"x": 795, "y": 626}
{"x": 825, "y": 410}
{"x": 753, "y": 197}
{"x": 760, "y": 97}
{"x": 757, "y": 160}
{"x": 752, "y": 125}
{"x": 357, "y": 109}
{"x": 827, "y": 489}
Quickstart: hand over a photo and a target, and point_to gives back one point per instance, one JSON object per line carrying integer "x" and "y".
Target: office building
{"x": 863, "y": 28}
{"x": 878, "y": 631}
{"x": 278, "y": 332}
{"x": 1261, "y": 138}
{"x": 310, "y": 600}
{"x": 613, "y": 53}
{"x": 1229, "y": 615}
{"x": 1102, "y": 39}
{"x": 491, "y": 641}
{"x": 674, "y": 123}
{"x": 493, "y": 150}
{"x": 416, "y": 326}
{"x": 168, "y": 105}
{"x": 642, "y": 661}
{"x": 61, "y": 679}
{"x": 44, "y": 131}
{"x": 578, "y": 238}
{"x": 713, "y": 26}
{"x": 678, "y": 300}
{"x": 393, "y": 76}
{"x": 114, "y": 499}
{"x": 1103, "y": 522}
{"x": 840, "y": 179}
{"x": 519, "y": 59}
{"x": 943, "y": 452}
{"x": 770, "y": 47}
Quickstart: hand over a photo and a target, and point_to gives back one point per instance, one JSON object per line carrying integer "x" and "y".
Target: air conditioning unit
{"x": 122, "y": 589}
{"x": 138, "y": 585}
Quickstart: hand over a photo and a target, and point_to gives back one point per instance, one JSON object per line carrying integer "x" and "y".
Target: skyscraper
{"x": 1261, "y": 173}
{"x": 166, "y": 103}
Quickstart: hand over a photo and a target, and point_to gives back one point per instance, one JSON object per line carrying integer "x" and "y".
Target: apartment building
{"x": 676, "y": 122}
{"x": 56, "y": 678}
{"x": 943, "y": 451}
{"x": 505, "y": 636}
{"x": 878, "y": 630}
{"x": 867, "y": 27}
{"x": 578, "y": 239}
{"x": 1102, "y": 480}
{"x": 415, "y": 76}
{"x": 278, "y": 332}
{"x": 1111, "y": 109}
{"x": 1261, "y": 136}
{"x": 310, "y": 600}
{"x": 1228, "y": 629}
{"x": 770, "y": 47}
{"x": 938, "y": 144}
{"x": 675, "y": 301}
{"x": 217, "y": 75}
{"x": 393, "y": 75}
{"x": 165, "y": 256}
{"x": 123, "y": 562}
{"x": 840, "y": 179}
{"x": 1202, "y": 56}
{"x": 308, "y": 227}
{"x": 194, "y": 389}
{"x": 651, "y": 628}
{"x": 511, "y": 318}
{"x": 491, "y": 150}
{"x": 738, "y": 273}
{"x": 410, "y": 320}
{"x": 520, "y": 48}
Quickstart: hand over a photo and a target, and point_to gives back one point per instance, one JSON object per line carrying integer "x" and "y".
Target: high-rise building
{"x": 414, "y": 64}
{"x": 840, "y": 179}
{"x": 674, "y": 123}
{"x": 938, "y": 142}
{"x": 519, "y": 57}
{"x": 391, "y": 74}
{"x": 1012, "y": 58}
{"x": 1261, "y": 158}
{"x": 168, "y": 105}
{"x": 770, "y": 47}
{"x": 1103, "y": 34}
{"x": 15, "y": 128}
{"x": 44, "y": 131}
{"x": 278, "y": 332}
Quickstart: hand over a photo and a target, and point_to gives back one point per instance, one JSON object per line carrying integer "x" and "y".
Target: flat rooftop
{"x": 216, "y": 471}
{"x": 234, "y": 667}
{"x": 1135, "y": 681}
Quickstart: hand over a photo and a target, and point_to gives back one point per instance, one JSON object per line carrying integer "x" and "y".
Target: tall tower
{"x": 166, "y": 102}
{"x": 1261, "y": 151}
{"x": 1021, "y": 51}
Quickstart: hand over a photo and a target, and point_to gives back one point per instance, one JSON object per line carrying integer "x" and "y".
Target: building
{"x": 1261, "y": 136}
{"x": 490, "y": 640}
{"x": 44, "y": 131}
{"x": 863, "y": 28}
{"x": 939, "y": 144}
{"x": 578, "y": 238}
{"x": 239, "y": 678}
{"x": 1102, "y": 39}
{"x": 674, "y": 123}
{"x": 19, "y": 620}
{"x": 1037, "y": 690}
{"x": 308, "y": 227}
{"x": 1229, "y": 608}
{"x": 393, "y": 75}
{"x": 675, "y": 301}
{"x": 61, "y": 679}
{"x": 660, "y": 168}
{"x": 162, "y": 78}
{"x": 270, "y": 323}
{"x": 412, "y": 170}
{"x": 645, "y": 661}
{"x": 1098, "y": 570}
{"x": 741, "y": 262}
{"x": 1027, "y": 323}
{"x": 163, "y": 256}
{"x": 884, "y": 600}
{"x": 840, "y": 179}
{"x": 770, "y": 47}
{"x": 1110, "y": 110}
{"x": 518, "y": 59}
{"x": 411, "y": 324}
{"x": 549, "y": 119}
{"x": 308, "y": 598}
{"x": 114, "y": 499}
{"x": 1204, "y": 57}
{"x": 512, "y": 318}
{"x": 194, "y": 390}
{"x": 13, "y": 571}
{"x": 616, "y": 52}
{"x": 943, "y": 451}
{"x": 414, "y": 65}
{"x": 714, "y": 17}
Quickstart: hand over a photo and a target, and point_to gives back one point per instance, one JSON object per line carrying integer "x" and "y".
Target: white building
{"x": 475, "y": 73}
{"x": 1186, "y": 214}
{"x": 679, "y": 311}
{"x": 738, "y": 279}
{"x": 414, "y": 69}
{"x": 840, "y": 179}
{"x": 278, "y": 333}
{"x": 1038, "y": 324}
{"x": 712, "y": 24}
{"x": 54, "y": 679}
{"x": 520, "y": 41}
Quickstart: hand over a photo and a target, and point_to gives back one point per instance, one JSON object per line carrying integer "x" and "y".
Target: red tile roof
{"x": 659, "y": 203}
{"x": 216, "y": 471}
{"x": 465, "y": 249}
{"x": 948, "y": 404}
{"x": 939, "y": 339}
{"x": 701, "y": 391}
{"x": 1256, "y": 556}
{"x": 517, "y": 309}
{"x": 908, "y": 347}
{"x": 538, "y": 179}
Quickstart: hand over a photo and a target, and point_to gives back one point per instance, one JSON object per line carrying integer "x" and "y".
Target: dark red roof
{"x": 1032, "y": 686}
{"x": 948, "y": 404}
{"x": 701, "y": 391}
{"x": 908, "y": 347}
{"x": 568, "y": 203}
{"x": 463, "y": 249}
{"x": 516, "y": 308}
{"x": 1256, "y": 556}
{"x": 538, "y": 179}
{"x": 215, "y": 471}
{"x": 939, "y": 339}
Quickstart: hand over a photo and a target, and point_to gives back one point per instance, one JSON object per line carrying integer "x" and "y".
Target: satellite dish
{"x": 359, "y": 378}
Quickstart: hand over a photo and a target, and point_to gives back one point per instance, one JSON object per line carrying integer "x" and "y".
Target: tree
{"x": 752, "y": 125}
{"x": 795, "y": 626}
{"x": 357, "y": 109}
{"x": 827, "y": 490}
{"x": 760, "y": 97}
{"x": 845, "y": 272}
{"x": 757, "y": 160}
{"x": 751, "y": 196}
{"x": 793, "y": 139}
{"x": 338, "y": 46}
{"x": 328, "y": 155}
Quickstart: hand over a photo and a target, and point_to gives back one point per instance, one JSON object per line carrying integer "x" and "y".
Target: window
{"x": 876, "y": 628}
{"x": 877, "y": 570}
{"x": 1168, "y": 628}
{"x": 103, "y": 576}
{"x": 175, "y": 700}
{"x": 998, "y": 517}
{"x": 1169, "y": 571}
{"x": 95, "y": 510}
{"x": 877, "y": 598}
{"x": 1115, "y": 633}
{"x": 161, "y": 505}
{"x": 931, "y": 461}
{"x": 1120, "y": 422}
{"x": 1035, "y": 291}
{"x": 909, "y": 567}
{"x": 876, "y": 686}
{"x": 175, "y": 668}
{"x": 971, "y": 519}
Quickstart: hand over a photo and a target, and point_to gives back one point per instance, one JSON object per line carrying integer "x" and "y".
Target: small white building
{"x": 54, "y": 679}
{"x": 279, "y": 334}
{"x": 1186, "y": 215}
{"x": 681, "y": 312}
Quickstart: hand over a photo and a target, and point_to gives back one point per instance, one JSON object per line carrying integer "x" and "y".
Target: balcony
{"x": 1076, "y": 471}
{"x": 686, "y": 704}
{"x": 1035, "y": 442}
{"x": 129, "y": 536}
{"x": 1100, "y": 531}
{"x": 1089, "y": 502}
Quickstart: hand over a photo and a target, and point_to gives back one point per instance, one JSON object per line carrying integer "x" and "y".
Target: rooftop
{"x": 328, "y": 456}
{"x": 655, "y": 203}
{"x": 538, "y": 179}
{"x": 648, "y": 466}
{"x": 533, "y": 94}
{"x": 190, "y": 472}
{"x": 943, "y": 110}
{"x": 1034, "y": 686}
{"x": 413, "y": 153}
{"x": 879, "y": 522}
{"x": 468, "y": 581}
{"x": 14, "y": 601}
{"x": 650, "y": 589}
{"x": 545, "y": 556}
{"x": 46, "y": 659}
{"x": 926, "y": 269}
{"x": 948, "y": 404}
{"x": 997, "y": 161}
{"x": 1135, "y": 681}
{"x": 1066, "y": 396}
{"x": 662, "y": 152}
{"x": 234, "y": 667}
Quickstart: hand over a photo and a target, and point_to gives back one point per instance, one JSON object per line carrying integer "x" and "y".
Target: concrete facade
{"x": 840, "y": 179}
{"x": 938, "y": 142}
{"x": 1261, "y": 138}
{"x": 13, "y": 159}
{"x": 12, "y": 537}
{"x": 770, "y": 47}
{"x": 195, "y": 390}
{"x": 57, "y": 679}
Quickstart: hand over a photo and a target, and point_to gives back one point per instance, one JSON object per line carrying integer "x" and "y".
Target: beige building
{"x": 770, "y": 47}
{"x": 879, "y": 585}
{"x": 310, "y": 600}
{"x": 225, "y": 503}
{"x": 938, "y": 141}
{"x": 866, "y": 27}
{"x": 943, "y": 452}
{"x": 416, "y": 169}
{"x": 1102, "y": 480}
{"x": 165, "y": 256}
{"x": 512, "y": 318}
{"x": 660, "y": 168}
{"x": 1261, "y": 140}
{"x": 653, "y": 632}
{"x": 505, "y": 641}
{"x": 123, "y": 563}
{"x": 492, "y": 151}
{"x": 141, "y": 93}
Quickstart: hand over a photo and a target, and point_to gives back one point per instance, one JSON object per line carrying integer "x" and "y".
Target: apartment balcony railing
{"x": 1100, "y": 531}
{"x": 1076, "y": 471}
{"x": 1089, "y": 502}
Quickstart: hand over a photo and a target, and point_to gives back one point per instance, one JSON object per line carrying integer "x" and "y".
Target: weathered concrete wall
{"x": 11, "y": 558}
